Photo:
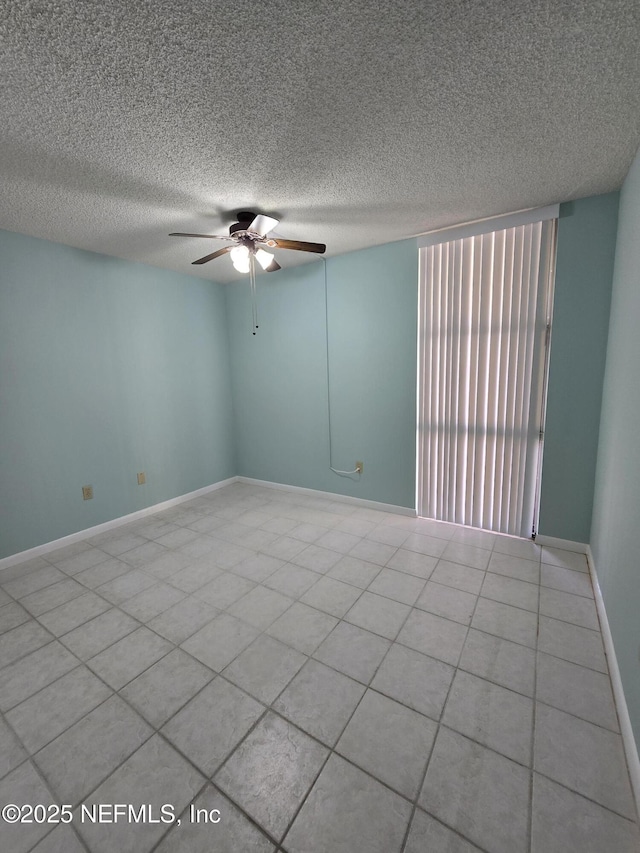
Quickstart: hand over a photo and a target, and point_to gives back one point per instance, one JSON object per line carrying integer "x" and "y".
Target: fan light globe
{"x": 240, "y": 258}
{"x": 264, "y": 258}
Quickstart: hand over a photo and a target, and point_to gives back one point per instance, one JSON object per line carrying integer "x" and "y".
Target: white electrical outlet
{"x": 359, "y": 467}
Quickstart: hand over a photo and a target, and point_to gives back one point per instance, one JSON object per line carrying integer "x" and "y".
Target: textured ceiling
{"x": 355, "y": 123}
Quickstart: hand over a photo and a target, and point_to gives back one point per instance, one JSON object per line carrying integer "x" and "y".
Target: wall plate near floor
{"x": 142, "y": 478}
{"x": 87, "y": 493}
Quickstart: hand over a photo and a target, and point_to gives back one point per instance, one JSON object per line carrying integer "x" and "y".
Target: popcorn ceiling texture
{"x": 356, "y": 123}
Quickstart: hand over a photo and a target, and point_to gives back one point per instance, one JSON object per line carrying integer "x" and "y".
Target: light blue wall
{"x": 107, "y": 368}
{"x": 279, "y": 382}
{"x": 616, "y": 514}
{"x": 584, "y": 270}
{"x": 279, "y": 377}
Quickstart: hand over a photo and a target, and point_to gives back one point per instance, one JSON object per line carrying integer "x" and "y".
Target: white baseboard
{"x": 47, "y": 547}
{"x": 565, "y": 544}
{"x": 41, "y": 550}
{"x": 333, "y": 496}
{"x": 628, "y": 739}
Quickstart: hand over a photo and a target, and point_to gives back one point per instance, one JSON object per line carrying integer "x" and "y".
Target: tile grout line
{"x": 309, "y": 656}
{"x": 439, "y": 726}
{"x": 210, "y": 779}
{"x": 154, "y": 731}
{"x": 332, "y": 749}
{"x": 35, "y": 767}
{"x": 457, "y": 668}
{"x": 142, "y": 624}
{"x": 179, "y": 816}
{"x": 167, "y": 580}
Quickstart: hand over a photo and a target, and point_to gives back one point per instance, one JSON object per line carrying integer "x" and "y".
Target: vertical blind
{"x": 483, "y": 327}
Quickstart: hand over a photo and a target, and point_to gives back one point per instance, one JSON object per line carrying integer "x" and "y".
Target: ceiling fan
{"x": 249, "y": 234}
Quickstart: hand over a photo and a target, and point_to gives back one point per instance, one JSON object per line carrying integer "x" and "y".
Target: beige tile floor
{"x": 331, "y": 679}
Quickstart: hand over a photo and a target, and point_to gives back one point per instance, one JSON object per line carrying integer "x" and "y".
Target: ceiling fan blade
{"x": 208, "y": 236}
{"x": 213, "y": 255}
{"x": 320, "y": 248}
{"x": 274, "y": 266}
{"x": 262, "y": 224}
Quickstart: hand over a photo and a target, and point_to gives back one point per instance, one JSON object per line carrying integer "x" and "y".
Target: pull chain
{"x": 254, "y": 304}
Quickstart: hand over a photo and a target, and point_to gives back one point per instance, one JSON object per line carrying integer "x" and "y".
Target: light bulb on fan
{"x": 264, "y": 258}
{"x": 240, "y": 258}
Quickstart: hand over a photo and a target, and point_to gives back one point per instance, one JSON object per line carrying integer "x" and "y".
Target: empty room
{"x": 319, "y": 467}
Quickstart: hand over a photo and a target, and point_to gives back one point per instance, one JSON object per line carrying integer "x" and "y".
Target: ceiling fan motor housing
{"x": 245, "y": 218}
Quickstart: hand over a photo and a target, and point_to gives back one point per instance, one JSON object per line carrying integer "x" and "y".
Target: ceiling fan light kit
{"x": 249, "y": 234}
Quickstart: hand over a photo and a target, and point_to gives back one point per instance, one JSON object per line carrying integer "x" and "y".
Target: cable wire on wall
{"x": 326, "y": 327}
